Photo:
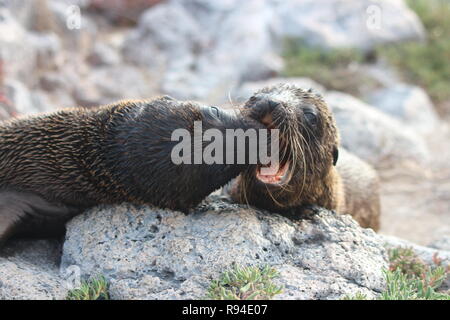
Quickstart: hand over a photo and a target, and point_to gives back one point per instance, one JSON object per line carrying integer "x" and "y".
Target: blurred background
{"x": 383, "y": 66}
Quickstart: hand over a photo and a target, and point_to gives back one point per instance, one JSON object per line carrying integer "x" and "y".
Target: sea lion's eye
{"x": 310, "y": 117}
{"x": 216, "y": 111}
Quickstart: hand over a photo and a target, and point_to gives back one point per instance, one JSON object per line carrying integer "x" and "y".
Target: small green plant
{"x": 245, "y": 283}
{"x": 357, "y": 296}
{"x": 400, "y": 286}
{"x": 410, "y": 278}
{"x": 93, "y": 289}
{"x": 405, "y": 260}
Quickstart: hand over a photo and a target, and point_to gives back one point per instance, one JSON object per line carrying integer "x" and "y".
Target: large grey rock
{"x": 441, "y": 244}
{"x": 150, "y": 253}
{"x": 29, "y": 271}
{"x": 201, "y": 55}
{"x": 410, "y": 104}
{"x": 374, "y": 136}
{"x": 348, "y": 23}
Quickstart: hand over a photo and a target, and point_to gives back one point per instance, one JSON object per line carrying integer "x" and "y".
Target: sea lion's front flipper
{"x": 28, "y": 214}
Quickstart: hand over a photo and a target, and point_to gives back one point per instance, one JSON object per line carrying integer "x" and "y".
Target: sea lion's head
{"x": 308, "y": 146}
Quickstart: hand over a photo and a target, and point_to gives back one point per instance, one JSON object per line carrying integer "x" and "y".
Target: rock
{"x": 374, "y": 136}
{"x": 19, "y": 59}
{"x": 29, "y": 271}
{"x": 42, "y": 102}
{"x": 249, "y": 88}
{"x": 348, "y": 23}
{"x": 122, "y": 11}
{"x": 202, "y": 55}
{"x": 104, "y": 55}
{"x": 151, "y": 253}
{"x": 20, "y": 97}
{"x": 25, "y": 101}
{"x": 441, "y": 244}
{"x": 410, "y": 104}
{"x": 199, "y": 54}
{"x": 76, "y": 30}
{"x": 111, "y": 83}
{"x": 48, "y": 50}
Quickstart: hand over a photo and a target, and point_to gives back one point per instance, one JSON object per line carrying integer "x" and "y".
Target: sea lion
{"x": 56, "y": 165}
{"x": 309, "y": 171}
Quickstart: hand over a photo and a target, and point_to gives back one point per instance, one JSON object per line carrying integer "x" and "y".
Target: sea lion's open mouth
{"x": 279, "y": 173}
{"x": 275, "y": 175}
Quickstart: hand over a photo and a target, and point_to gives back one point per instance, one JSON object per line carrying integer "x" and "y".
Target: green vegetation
{"x": 93, "y": 289}
{"x": 332, "y": 68}
{"x": 409, "y": 278}
{"x": 403, "y": 287}
{"x": 426, "y": 64}
{"x": 245, "y": 283}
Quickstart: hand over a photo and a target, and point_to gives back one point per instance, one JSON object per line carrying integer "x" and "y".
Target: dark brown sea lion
{"x": 310, "y": 172}
{"x": 54, "y": 166}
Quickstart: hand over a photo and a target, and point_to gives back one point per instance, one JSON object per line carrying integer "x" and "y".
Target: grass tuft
{"x": 410, "y": 278}
{"x": 93, "y": 289}
{"x": 333, "y": 68}
{"x": 245, "y": 283}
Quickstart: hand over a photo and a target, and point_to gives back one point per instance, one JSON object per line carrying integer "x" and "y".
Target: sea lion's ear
{"x": 335, "y": 155}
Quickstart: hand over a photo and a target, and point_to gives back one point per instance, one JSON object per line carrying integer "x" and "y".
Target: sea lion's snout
{"x": 269, "y": 112}
{"x": 261, "y": 108}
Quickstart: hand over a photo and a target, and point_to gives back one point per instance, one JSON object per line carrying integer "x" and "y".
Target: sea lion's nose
{"x": 265, "y": 104}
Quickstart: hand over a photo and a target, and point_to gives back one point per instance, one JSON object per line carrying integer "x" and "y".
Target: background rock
{"x": 348, "y": 24}
{"x": 441, "y": 244}
{"x": 204, "y": 58}
{"x": 374, "y": 136}
{"x": 410, "y": 104}
{"x": 150, "y": 253}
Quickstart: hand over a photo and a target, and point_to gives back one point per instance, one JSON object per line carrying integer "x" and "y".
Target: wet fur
{"x": 56, "y": 165}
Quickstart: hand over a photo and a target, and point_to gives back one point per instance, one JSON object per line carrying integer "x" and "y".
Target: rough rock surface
{"x": 374, "y": 136}
{"x": 29, "y": 270}
{"x": 150, "y": 253}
